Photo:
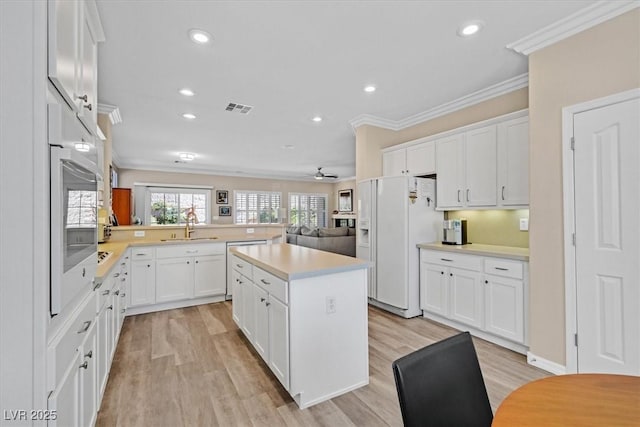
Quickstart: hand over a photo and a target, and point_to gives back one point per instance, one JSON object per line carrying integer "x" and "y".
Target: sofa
{"x": 340, "y": 240}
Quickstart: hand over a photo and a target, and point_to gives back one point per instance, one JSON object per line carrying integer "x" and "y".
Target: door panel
{"x": 434, "y": 290}
{"x": 607, "y": 203}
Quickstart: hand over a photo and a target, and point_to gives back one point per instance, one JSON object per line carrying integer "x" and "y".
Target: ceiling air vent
{"x": 239, "y": 108}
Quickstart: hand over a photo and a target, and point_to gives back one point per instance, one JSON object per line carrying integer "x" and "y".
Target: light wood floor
{"x": 193, "y": 367}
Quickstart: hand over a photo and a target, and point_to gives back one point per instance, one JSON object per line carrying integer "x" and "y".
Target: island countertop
{"x": 290, "y": 262}
{"x": 521, "y": 254}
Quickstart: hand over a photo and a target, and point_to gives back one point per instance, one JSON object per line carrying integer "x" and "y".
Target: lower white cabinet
{"x": 278, "y": 315}
{"x": 237, "y": 307}
{"x": 209, "y": 275}
{"x": 248, "y": 320}
{"x": 143, "y": 283}
{"x": 174, "y": 279}
{"x": 486, "y": 294}
{"x": 65, "y": 399}
{"x": 261, "y": 310}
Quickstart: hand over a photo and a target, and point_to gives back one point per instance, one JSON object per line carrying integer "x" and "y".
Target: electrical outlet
{"x": 138, "y": 233}
{"x": 524, "y": 224}
{"x": 250, "y": 230}
{"x": 331, "y": 305}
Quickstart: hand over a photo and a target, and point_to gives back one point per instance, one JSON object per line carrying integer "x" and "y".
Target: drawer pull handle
{"x": 85, "y": 365}
{"x": 116, "y": 275}
{"x": 89, "y": 355}
{"x": 122, "y": 311}
{"x": 265, "y": 282}
{"x": 141, "y": 254}
{"x": 458, "y": 196}
{"x": 486, "y": 282}
{"x": 110, "y": 307}
{"x": 445, "y": 259}
{"x": 442, "y": 272}
{"x": 123, "y": 264}
{"x": 123, "y": 295}
{"x": 239, "y": 266}
{"x": 194, "y": 251}
{"x": 106, "y": 292}
{"x": 267, "y": 304}
{"x": 85, "y": 327}
{"x": 117, "y": 292}
{"x": 97, "y": 286}
{"x": 262, "y": 300}
{"x": 123, "y": 279}
{"x": 503, "y": 192}
{"x": 501, "y": 268}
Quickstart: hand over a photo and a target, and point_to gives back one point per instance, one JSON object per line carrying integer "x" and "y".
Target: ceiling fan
{"x": 321, "y": 175}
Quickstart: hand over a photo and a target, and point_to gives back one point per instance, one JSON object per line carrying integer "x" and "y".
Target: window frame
{"x": 177, "y": 190}
{"x": 325, "y": 216}
{"x": 237, "y": 196}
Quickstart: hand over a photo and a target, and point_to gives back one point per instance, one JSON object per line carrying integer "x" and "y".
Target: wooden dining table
{"x": 573, "y": 400}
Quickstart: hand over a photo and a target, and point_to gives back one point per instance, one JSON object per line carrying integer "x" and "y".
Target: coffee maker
{"x": 454, "y": 232}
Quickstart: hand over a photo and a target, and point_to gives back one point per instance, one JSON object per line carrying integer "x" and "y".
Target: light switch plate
{"x": 250, "y": 230}
{"x": 138, "y": 233}
{"x": 524, "y": 224}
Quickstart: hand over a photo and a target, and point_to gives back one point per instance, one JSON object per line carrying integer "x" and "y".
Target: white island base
{"x": 305, "y": 313}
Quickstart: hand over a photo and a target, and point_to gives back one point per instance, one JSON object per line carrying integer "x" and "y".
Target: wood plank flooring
{"x": 193, "y": 367}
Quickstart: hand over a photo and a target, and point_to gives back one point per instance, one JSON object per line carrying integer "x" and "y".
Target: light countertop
{"x": 511, "y": 252}
{"x": 118, "y": 248}
{"x": 290, "y": 262}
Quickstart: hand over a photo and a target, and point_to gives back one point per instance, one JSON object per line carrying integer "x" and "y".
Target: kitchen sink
{"x": 190, "y": 239}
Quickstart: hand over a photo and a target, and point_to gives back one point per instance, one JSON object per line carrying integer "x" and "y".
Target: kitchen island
{"x": 305, "y": 312}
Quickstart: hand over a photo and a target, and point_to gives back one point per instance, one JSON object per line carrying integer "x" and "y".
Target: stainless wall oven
{"x": 74, "y": 217}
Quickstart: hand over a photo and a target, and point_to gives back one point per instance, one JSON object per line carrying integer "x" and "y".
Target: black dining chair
{"x": 442, "y": 385}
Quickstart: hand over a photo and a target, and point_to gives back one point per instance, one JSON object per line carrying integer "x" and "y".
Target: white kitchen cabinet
{"x": 279, "y": 340}
{"x": 143, "y": 282}
{"x": 238, "y": 299}
{"x": 65, "y": 399}
{"x": 415, "y": 160}
{"x": 88, "y": 378}
{"x": 261, "y": 334}
{"x": 174, "y": 279}
{"x": 74, "y": 31}
{"x": 513, "y": 162}
{"x": 450, "y": 171}
{"x": 248, "y": 322}
{"x": 210, "y": 275}
{"x": 104, "y": 350}
{"x": 480, "y": 167}
{"x": 434, "y": 286}
{"x": 466, "y": 297}
{"x": 483, "y": 293}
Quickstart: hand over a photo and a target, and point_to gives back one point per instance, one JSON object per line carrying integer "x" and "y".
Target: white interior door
{"x": 607, "y": 202}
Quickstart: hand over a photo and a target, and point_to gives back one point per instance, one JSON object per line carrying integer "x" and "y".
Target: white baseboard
{"x": 545, "y": 364}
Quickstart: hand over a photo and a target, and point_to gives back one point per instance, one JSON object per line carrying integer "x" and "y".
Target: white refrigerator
{"x": 394, "y": 215}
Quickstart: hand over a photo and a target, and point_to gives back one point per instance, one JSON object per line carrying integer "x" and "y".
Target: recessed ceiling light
{"x": 187, "y": 157}
{"x": 317, "y": 119}
{"x": 199, "y": 36}
{"x": 369, "y": 88}
{"x": 288, "y": 146}
{"x": 189, "y": 116}
{"x": 82, "y": 146}
{"x": 186, "y": 92}
{"x": 470, "y": 28}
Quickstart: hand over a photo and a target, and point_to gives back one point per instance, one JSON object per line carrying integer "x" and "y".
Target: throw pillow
{"x": 306, "y": 231}
{"x": 293, "y": 230}
{"x": 333, "y": 232}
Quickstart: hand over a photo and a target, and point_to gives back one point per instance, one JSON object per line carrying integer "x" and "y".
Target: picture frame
{"x": 345, "y": 200}
{"x": 222, "y": 197}
{"x": 224, "y": 211}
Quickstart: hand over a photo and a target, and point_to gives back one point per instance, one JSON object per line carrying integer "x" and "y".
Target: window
{"x": 81, "y": 209}
{"x": 256, "y": 207}
{"x": 308, "y": 209}
{"x": 170, "y": 205}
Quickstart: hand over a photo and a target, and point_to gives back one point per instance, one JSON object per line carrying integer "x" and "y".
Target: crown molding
{"x": 112, "y": 111}
{"x": 485, "y": 94}
{"x": 572, "y": 24}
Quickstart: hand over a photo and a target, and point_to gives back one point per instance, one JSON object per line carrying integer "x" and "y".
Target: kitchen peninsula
{"x": 305, "y": 313}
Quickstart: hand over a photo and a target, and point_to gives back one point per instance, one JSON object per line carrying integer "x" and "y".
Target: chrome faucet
{"x": 190, "y": 223}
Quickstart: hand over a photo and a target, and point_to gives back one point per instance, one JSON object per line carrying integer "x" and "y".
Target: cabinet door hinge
{"x": 573, "y": 143}
{"x": 575, "y": 339}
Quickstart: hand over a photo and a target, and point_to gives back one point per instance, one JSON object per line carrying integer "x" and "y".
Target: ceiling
{"x": 291, "y": 61}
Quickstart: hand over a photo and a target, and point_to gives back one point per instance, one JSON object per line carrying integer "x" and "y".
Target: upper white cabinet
{"x": 484, "y": 166}
{"x": 415, "y": 160}
{"x": 74, "y": 32}
{"x": 480, "y": 167}
{"x": 513, "y": 162}
{"x": 450, "y": 171}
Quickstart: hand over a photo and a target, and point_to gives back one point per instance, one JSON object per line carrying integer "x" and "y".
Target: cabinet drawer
{"x": 142, "y": 253}
{"x": 62, "y": 348}
{"x": 468, "y": 262}
{"x": 242, "y": 267}
{"x": 179, "y": 251}
{"x": 103, "y": 293}
{"x": 270, "y": 283}
{"x": 504, "y": 267}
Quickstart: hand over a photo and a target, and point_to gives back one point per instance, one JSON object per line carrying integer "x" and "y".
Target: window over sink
{"x": 167, "y": 205}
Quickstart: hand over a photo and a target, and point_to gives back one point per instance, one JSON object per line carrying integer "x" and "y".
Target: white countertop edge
{"x": 480, "y": 249}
